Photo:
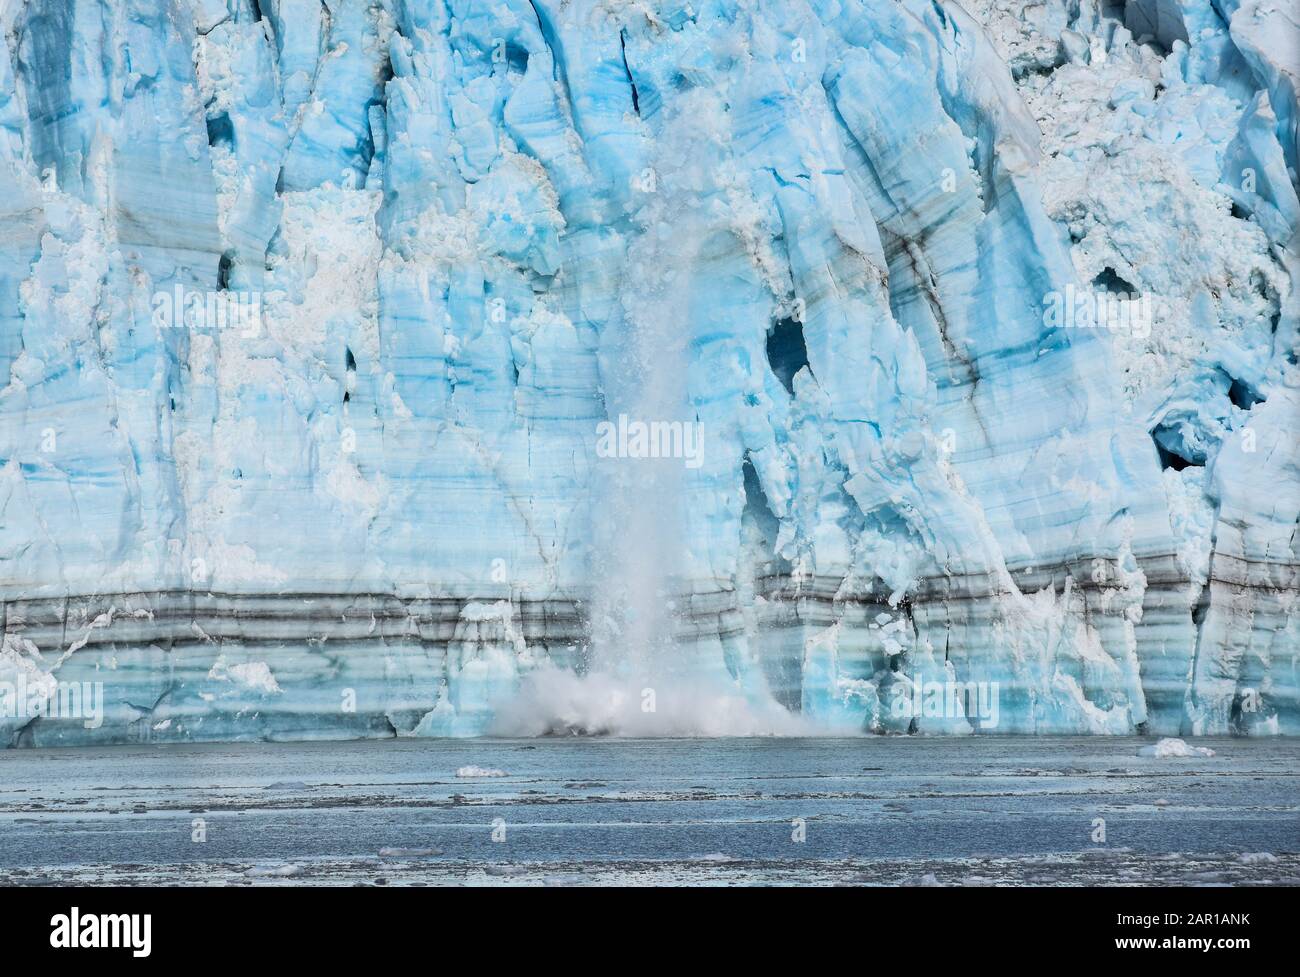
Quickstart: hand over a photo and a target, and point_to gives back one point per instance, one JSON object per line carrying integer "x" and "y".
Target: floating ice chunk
{"x": 272, "y": 871}
{"x": 1172, "y": 747}
{"x": 473, "y": 771}
{"x": 506, "y": 870}
{"x": 1254, "y": 857}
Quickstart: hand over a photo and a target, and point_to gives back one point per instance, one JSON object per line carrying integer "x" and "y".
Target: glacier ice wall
{"x": 985, "y": 313}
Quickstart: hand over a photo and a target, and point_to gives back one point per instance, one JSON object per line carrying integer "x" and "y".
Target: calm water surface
{"x": 571, "y": 811}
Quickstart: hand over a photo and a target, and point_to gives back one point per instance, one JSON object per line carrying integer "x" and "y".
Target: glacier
{"x": 318, "y": 320}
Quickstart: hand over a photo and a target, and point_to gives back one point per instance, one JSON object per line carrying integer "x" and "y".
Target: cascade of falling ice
{"x": 636, "y": 528}
{"x": 643, "y": 674}
{"x": 638, "y": 531}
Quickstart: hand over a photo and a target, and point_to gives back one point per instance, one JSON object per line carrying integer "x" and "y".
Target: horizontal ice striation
{"x": 846, "y": 239}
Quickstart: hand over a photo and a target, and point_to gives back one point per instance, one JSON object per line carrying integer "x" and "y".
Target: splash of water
{"x": 556, "y": 702}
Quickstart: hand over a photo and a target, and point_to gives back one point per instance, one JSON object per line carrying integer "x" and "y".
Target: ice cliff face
{"x": 331, "y": 332}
